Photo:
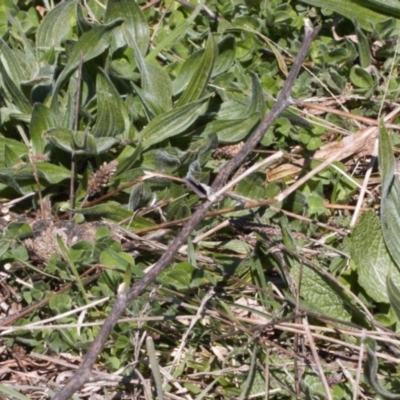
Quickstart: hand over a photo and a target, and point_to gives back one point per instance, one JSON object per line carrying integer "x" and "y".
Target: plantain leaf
{"x": 79, "y": 142}
{"x": 55, "y": 26}
{"x": 363, "y": 47}
{"x": 199, "y": 80}
{"x": 11, "y": 63}
{"x": 394, "y": 296}
{"x": 172, "y": 36}
{"x": 90, "y": 45}
{"x": 15, "y": 93}
{"x": 41, "y": 120}
{"x": 390, "y": 203}
{"x": 232, "y": 130}
{"x": 112, "y": 115}
{"x": 172, "y": 123}
{"x": 374, "y": 264}
{"x": 134, "y": 30}
{"x": 365, "y": 12}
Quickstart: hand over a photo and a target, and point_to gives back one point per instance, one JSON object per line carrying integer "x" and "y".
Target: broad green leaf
{"x": 55, "y": 26}
{"x": 134, "y": 29}
{"x": 5, "y": 7}
{"x": 367, "y": 18}
{"x": 360, "y": 77}
{"x": 172, "y": 123}
{"x": 11, "y": 63}
{"x": 179, "y": 276}
{"x": 61, "y": 303}
{"x": 372, "y": 259}
{"x": 41, "y": 120}
{"x": 128, "y": 156}
{"x": 257, "y": 102}
{"x": 90, "y": 45}
{"x": 225, "y": 58}
{"x": 156, "y": 92}
{"x": 226, "y": 55}
{"x": 393, "y": 291}
{"x": 79, "y": 142}
{"x": 6, "y": 177}
{"x": 111, "y": 210}
{"x": 10, "y": 158}
{"x": 319, "y": 292}
{"x": 15, "y": 93}
{"x": 112, "y": 115}
{"x": 200, "y": 78}
{"x": 29, "y": 53}
{"x": 390, "y": 203}
{"x": 232, "y": 130}
{"x": 52, "y": 173}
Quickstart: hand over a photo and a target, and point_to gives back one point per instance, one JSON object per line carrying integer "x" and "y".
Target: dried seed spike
{"x": 102, "y": 177}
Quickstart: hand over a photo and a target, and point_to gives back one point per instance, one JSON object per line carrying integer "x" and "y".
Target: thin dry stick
{"x": 316, "y": 359}
{"x": 125, "y": 298}
{"x": 76, "y": 125}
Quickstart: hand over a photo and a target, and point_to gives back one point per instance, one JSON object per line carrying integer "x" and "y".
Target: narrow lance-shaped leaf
{"x": 363, "y": 47}
{"x": 41, "y": 120}
{"x": 11, "y": 63}
{"x": 366, "y": 17}
{"x": 15, "y": 93}
{"x": 90, "y": 45}
{"x": 112, "y": 115}
{"x": 55, "y": 27}
{"x": 199, "y": 81}
{"x": 171, "y": 123}
{"x": 180, "y": 30}
{"x": 390, "y": 203}
{"x": 135, "y": 27}
{"x": 393, "y": 292}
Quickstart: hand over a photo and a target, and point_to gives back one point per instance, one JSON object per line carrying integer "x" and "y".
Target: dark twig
{"x": 126, "y": 297}
{"x": 76, "y": 126}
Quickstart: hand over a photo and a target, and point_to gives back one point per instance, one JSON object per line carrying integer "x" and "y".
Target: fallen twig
{"x": 126, "y": 297}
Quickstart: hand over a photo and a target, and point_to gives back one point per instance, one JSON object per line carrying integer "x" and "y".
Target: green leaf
{"x": 201, "y": 76}
{"x": 90, "y": 45}
{"x": 15, "y": 93}
{"x": 319, "y": 292}
{"x": 55, "y": 26}
{"x": 232, "y": 130}
{"x": 42, "y": 119}
{"x": 172, "y": 123}
{"x": 363, "y": 47}
{"x": 393, "y": 292}
{"x": 257, "y": 102}
{"x": 134, "y": 30}
{"x": 390, "y": 203}
{"x": 367, "y": 18}
{"x": 79, "y": 142}
{"x": 360, "y": 77}
{"x": 112, "y": 115}
{"x": 11, "y": 63}
{"x": 371, "y": 257}
{"x": 12, "y": 394}
{"x": 111, "y": 210}
{"x": 172, "y": 36}
{"x": 60, "y": 303}
{"x": 179, "y": 276}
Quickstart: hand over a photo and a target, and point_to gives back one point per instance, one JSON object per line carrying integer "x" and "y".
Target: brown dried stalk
{"x": 126, "y": 297}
